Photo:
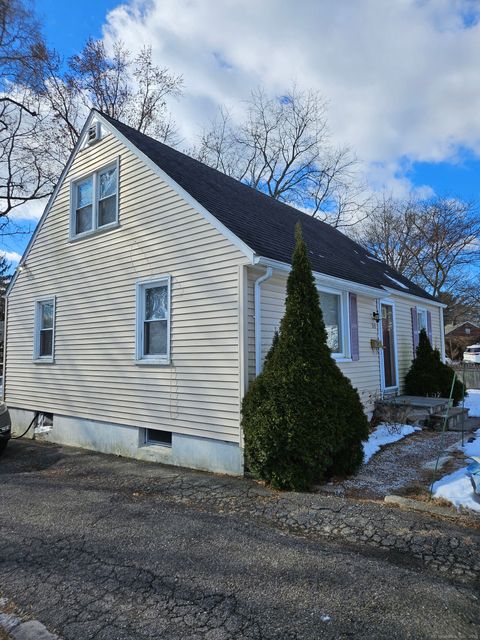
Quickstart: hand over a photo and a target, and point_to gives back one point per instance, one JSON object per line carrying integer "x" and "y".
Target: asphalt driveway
{"x": 90, "y": 549}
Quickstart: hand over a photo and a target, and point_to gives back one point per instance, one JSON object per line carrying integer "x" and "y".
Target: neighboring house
{"x": 460, "y": 336}
{"x": 463, "y": 330}
{"x": 150, "y": 292}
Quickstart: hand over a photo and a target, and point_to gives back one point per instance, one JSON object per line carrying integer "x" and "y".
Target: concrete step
{"x": 418, "y": 417}
{"x": 410, "y": 409}
{"x": 457, "y": 419}
{"x": 430, "y": 405}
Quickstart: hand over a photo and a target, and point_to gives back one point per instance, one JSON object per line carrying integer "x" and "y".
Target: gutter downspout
{"x": 442, "y": 337}
{"x": 258, "y": 318}
{"x": 4, "y": 372}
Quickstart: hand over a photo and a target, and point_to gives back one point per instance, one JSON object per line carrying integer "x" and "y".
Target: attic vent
{"x": 93, "y": 133}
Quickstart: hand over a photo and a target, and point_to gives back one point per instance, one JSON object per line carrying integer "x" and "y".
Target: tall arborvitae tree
{"x": 301, "y": 417}
{"x": 429, "y": 376}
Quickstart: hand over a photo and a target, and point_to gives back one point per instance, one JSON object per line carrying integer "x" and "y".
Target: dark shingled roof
{"x": 265, "y": 224}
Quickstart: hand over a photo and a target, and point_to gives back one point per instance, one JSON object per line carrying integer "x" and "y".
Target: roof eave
{"x": 328, "y": 280}
{"x": 225, "y": 231}
{"x": 376, "y": 292}
{"x": 412, "y": 296}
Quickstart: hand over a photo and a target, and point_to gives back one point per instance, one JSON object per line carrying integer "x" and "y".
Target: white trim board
{"x": 324, "y": 280}
{"x": 348, "y": 285}
{"x": 411, "y": 296}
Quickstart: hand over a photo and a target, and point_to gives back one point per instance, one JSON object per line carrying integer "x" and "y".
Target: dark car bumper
{"x": 5, "y": 425}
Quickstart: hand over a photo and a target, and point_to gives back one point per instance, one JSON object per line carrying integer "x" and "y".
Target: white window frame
{"x": 345, "y": 354}
{"x": 141, "y": 287}
{"x": 95, "y": 200}
{"x": 423, "y": 311}
{"x": 37, "y": 328}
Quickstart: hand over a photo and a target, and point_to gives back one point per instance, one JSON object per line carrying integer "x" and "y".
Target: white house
{"x": 149, "y": 294}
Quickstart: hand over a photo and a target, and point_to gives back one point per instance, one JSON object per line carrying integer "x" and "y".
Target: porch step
{"x": 412, "y": 410}
{"x": 456, "y": 417}
{"x": 418, "y": 417}
{"x": 427, "y": 405}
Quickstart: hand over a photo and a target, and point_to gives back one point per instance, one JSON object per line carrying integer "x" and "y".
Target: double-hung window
{"x": 95, "y": 202}
{"x": 422, "y": 320}
{"x": 333, "y": 309}
{"x": 44, "y": 339}
{"x": 153, "y": 321}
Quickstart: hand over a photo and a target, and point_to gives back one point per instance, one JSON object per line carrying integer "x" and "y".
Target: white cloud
{"x": 11, "y": 256}
{"x": 401, "y": 76}
{"x": 31, "y": 211}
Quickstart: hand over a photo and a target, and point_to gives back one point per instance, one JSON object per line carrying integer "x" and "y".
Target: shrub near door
{"x": 429, "y": 376}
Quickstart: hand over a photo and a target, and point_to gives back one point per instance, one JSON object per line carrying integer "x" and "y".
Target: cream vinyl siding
{"x": 364, "y": 373}
{"x": 95, "y": 375}
{"x": 403, "y": 318}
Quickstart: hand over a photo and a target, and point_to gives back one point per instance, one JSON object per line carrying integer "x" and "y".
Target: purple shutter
{"x": 354, "y": 348}
{"x": 429, "y": 327}
{"x": 415, "y": 331}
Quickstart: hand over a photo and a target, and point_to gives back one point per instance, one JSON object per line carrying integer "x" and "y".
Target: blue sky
{"x": 68, "y": 24}
{"x": 402, "y": 78}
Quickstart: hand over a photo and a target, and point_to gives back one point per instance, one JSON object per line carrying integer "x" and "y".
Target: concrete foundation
{"x": 129, "y": 441}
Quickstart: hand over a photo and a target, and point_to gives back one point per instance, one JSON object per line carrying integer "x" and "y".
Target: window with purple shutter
{"x": 354, "y": 347}
{"x": 415, "y": 331}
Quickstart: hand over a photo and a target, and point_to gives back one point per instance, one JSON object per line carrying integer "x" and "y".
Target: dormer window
{"x": 94, "y": 202}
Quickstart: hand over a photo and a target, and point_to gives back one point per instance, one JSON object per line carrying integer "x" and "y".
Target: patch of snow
{"x": 325, "y": 618}
{"x": 457, "y": 489}
{"x": 400, "y": 284}
{"x": 385, "y": 434}
{"x": 472, "y": 402}
{"x": 471, "y": 449}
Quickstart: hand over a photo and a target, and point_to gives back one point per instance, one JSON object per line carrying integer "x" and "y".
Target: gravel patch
{"x": 397, "y": 468}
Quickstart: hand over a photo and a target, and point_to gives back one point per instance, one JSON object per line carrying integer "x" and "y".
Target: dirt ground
{"x": 405, "y": 467}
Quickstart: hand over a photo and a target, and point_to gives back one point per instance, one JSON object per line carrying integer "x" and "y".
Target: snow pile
{"x": 472, "y": 402}
{"x": 472, "y": 448}
{"x": 457, "y": 489}
{"x": 385, "y": 434}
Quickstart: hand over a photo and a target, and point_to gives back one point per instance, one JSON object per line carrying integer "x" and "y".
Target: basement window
{"x": 44, "y": 423}
{"x": 163, "y": 438}
{"x": 46, "y": 419}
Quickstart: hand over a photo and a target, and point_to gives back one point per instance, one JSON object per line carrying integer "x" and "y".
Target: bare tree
{"x": 283, "y": 148}
{"x": 23, "y": 63}
{"x": 463, "y": 303}
{"x": 389, "y": 234}
{"x": 448, "y": 231}
{"x": 434, "y": 242}
{"x": 130, "y": 88}
{"x": 44, "y": 102}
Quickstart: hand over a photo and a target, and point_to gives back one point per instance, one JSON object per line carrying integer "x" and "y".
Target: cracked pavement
{"x": 99, "y": 547}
